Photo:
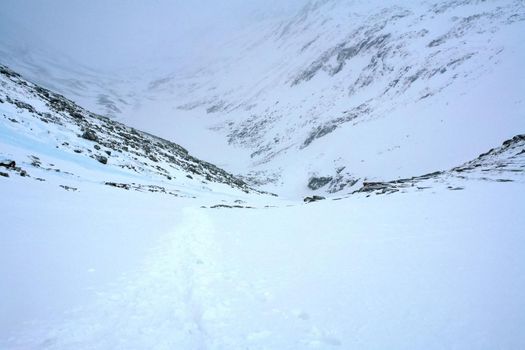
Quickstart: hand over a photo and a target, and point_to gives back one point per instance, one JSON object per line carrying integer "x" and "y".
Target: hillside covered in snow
{"x": 351, "y": 176}
{"x": 349, "y": 91}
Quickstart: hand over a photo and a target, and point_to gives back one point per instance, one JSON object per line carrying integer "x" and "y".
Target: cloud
{"x": 105, "y": 34}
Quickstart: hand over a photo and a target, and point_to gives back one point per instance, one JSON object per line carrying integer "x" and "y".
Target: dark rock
{"x": 318, "y": 132}
{"x": 90, "y": 135}
{"x": 218, "y": 206}
{"x": 374, "y": 186}
{"x": 313, "y": 199}
{"x": 8, "y": 164}
{"x": 23, "y": 105}
{"x": 316, "y": 183}
{"x": 69, "y": 188}
{"x": 4, "y": 174}
{"x": 97, "y": 147}
{"x": 117, "y": 185}
{"x": 77, "y": 115}
{"x": 102, "y": 159}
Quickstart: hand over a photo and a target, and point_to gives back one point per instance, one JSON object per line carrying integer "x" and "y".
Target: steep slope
{"x": 45, "y": 133}
{"x": 502, "y": 164}
{"x": 378, "y": 90}
{"x": 357, "y": 90}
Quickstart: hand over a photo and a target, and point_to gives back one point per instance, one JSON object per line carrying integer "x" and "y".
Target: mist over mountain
{"x": 333, "y": 73}
{"x": 122, "y": 34}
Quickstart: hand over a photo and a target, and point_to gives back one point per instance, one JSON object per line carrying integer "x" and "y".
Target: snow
{"x": 263, "y": 119}
{"x": 433, "y": 269}
{"x": 474, "y": 103}
{"x": 438, "y": 264}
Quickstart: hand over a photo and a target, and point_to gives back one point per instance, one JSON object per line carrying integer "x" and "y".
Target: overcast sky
{"x": 105, "y": 33}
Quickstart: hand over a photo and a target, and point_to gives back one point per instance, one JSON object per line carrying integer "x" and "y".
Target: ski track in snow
{"x": 172, "y": 294}
{"x": 183, "y": 297}
{"x": 165, "y": 297}
{"x": 407, "y": 271}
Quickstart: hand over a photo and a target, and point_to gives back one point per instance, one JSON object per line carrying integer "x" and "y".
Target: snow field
{"x": 434, "y": 270}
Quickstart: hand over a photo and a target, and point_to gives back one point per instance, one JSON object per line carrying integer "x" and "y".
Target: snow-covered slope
{"x": 43, "y": 133}
{"x": 114, "y": 239}
{"x": 408, "y": 116}
{"x": 359, "y": 90}
{"x": 372, "y": 90}
{"x": 102, "y": 268}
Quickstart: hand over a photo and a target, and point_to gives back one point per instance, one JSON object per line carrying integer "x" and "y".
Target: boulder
{"x": 314, "y": 198}
{"x": 90, "y": 135}
{"x": 8, "y": 164}
{"x": 102, "y": 159}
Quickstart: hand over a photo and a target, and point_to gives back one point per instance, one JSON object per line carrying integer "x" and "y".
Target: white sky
{"x": 113, "y": 33}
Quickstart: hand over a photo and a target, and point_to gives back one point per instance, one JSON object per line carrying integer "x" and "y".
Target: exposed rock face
{"x": 313, "y": 199}
{"x": 316, "y": 183}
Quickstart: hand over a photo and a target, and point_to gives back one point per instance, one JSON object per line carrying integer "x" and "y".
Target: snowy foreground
{"x": 104, "y": 268}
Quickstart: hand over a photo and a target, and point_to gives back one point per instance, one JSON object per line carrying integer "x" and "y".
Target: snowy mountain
{"x": 381, "y": 91}
{"x": 357, "y": 90}
{"x": 117, "y": 239}
{"x": 46, "y": 133}
{"x": 43, "y": 132}
{"x": 392, "y": 132}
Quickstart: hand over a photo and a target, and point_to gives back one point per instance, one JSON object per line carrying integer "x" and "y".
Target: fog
{"x": 106, "y": 34}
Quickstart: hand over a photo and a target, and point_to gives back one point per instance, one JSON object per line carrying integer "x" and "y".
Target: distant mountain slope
{"x": 347, "y": 89}
{"x": 502, "y": 164}
{"x": 38, "y": 127}
{"x": 381, "y": 90}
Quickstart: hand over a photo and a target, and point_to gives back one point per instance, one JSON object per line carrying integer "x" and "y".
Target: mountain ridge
{"x": 363, "y": 86}
{"x": 29, "y": 110}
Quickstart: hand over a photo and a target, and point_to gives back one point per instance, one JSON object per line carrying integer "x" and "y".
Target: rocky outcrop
{"x": 144, "y": 152}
